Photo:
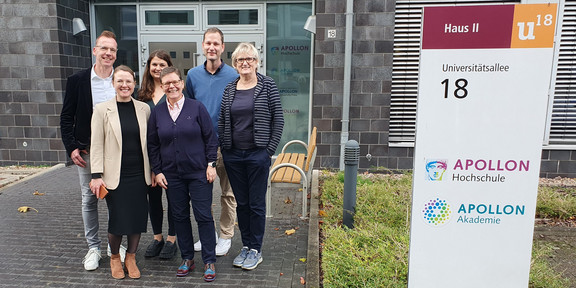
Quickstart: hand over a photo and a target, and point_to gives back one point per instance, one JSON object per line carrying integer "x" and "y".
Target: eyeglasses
{"x": 248, "y": 60}
{"x": 106, "y": 49}
{"x": 175, "y": 83}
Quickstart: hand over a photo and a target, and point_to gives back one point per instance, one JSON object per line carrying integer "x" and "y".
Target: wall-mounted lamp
{"x": 310, "y": 24}
{"x": 78, "y": 26}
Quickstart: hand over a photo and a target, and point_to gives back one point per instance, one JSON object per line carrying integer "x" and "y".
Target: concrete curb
{"x": 15, "y": 180}
{"x": 313, "y": 258}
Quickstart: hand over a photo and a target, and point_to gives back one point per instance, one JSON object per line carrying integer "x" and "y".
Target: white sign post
{"x": 483, "y": 94}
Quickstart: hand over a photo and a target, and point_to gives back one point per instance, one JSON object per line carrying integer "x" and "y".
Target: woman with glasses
{"x": 119, "y": 161}
{"x": 152, "y": 93}
{"x": 249, "y": 130}
{"x": 182, "y": 145}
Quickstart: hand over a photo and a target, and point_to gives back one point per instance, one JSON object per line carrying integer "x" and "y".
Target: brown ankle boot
{"x": 130, "y": 263}
{"x": 116, "y": 267}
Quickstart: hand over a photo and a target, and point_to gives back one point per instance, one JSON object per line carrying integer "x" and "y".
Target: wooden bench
{"x": 293, "y": 168}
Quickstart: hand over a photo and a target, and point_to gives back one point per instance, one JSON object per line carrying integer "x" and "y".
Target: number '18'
{"x": 460, "y": 91}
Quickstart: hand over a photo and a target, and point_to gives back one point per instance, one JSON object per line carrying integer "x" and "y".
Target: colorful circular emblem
{"x": 436, "y": 212}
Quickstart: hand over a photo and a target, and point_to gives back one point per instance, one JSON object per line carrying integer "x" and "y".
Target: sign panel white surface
{"x": 483, "y": 94}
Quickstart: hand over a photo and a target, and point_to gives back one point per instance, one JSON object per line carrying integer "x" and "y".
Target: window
{"x": 405, "y": 66}
{"x": 562, "y": 117}
{"x": 227, "y": 17}
{"x": 169, "y": 18}
{"x": 233, "y": 17}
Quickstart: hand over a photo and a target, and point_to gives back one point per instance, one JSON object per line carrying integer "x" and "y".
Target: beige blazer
{"x": 106, "y": 141}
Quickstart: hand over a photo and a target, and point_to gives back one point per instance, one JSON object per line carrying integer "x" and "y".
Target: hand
{"x": 210, "y": 174}
{"x": 95, "y": 186}
{"x": 161, "y": 180}
{"x": 76, "y": 157}
{"x": 153, "y": 177}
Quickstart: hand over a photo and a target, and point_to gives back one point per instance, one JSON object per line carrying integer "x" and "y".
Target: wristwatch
{"x": 212, "y": 164}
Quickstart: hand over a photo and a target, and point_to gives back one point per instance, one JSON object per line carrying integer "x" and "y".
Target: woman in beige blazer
{"x": 119, "y": 161}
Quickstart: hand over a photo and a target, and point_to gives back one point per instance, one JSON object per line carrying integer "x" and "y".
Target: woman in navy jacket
{"x": 250, "y": 127}
{"x": 182, "y": 146}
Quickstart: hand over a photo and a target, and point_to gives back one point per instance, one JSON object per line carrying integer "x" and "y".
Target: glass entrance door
{"x": 186, "y": 50}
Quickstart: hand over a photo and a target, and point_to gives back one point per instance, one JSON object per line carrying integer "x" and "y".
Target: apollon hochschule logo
{"x": 436, "y": 212}
{"x": 435, "y": 169}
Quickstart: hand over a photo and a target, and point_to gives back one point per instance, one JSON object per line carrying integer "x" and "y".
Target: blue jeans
{"x": 248, "y": 174}
{"x": 89, "y": 205}
{"x": 180, "y": 193}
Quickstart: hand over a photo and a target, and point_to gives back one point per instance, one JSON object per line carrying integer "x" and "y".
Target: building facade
{"x": 354, "y": 77}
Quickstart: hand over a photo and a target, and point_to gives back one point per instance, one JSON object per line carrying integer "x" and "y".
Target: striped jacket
{"x": 268, "y": 115}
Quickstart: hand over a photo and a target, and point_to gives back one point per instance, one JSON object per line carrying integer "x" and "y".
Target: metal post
{"x": 351, "y": 157}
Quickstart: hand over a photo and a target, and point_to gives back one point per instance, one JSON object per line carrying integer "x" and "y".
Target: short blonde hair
{"x": 245, "y": 48}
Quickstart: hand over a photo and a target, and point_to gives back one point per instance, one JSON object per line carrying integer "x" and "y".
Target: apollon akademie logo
{"x": 435, "y": 169}
{"x": 436, "y": 212}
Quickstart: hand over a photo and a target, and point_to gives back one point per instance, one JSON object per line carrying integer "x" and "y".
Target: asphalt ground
{"x": 46, "y": 248}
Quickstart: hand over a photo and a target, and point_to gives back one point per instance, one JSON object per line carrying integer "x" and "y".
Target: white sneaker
{"x": 223, "y": 246}
{"x": 91, "y": 259}
{"x": 122, "y": 252}
{"x": 198, "y": 244}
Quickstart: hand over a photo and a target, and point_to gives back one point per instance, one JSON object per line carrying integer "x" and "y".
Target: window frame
{"x": 188, "y": 7}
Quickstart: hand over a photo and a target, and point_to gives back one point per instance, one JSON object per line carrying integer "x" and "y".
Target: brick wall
{"x": 372, "y": 49}
{"x": 37, "y": 53}
{"x": 556, "y": 163}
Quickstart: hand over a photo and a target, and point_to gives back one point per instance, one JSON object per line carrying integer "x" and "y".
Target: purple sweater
{"x": 181, "y": 149}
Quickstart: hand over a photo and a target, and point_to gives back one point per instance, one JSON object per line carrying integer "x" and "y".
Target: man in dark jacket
{"x": 84, "y": 90}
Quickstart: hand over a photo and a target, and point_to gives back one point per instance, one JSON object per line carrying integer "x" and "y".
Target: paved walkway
{"x": 45, "y": 248}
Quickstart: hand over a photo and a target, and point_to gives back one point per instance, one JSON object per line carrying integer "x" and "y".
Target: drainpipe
{"x": 347, "y": 79}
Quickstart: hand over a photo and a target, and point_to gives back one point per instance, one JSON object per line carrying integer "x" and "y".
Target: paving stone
{"x": 46, "y": 248}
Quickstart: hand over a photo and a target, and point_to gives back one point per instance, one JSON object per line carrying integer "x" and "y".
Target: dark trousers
{"x": 248, "y": 174}
{"x": 156, "y": 211}
{"x": 180, "y": 193}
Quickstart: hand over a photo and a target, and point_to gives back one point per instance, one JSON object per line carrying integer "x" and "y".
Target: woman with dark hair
{"x": 151, "y": 90}
{"x": 152, "y": 93}
{"x": 119, "y": 162}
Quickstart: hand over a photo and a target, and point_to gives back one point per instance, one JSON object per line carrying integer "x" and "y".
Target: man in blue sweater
{"x": 206, "y": 83}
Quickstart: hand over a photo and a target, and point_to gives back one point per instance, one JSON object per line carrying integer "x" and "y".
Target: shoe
{"x": 116, "y": 267}
{"x": 239, "y": 260}
{"x": 185, "y": 268}
{"x": 197, "y": 246}
{"x": 209, "y": 272}
{"x": 122, "y": 252}
{"x": 154, "y": 248}
{"x": 169, "y": 250}
{"x": 223, "y": 246}
{"x": 252, "y": 260}
{"x": 91, "y": 259}
{"x": 130, "y": 265}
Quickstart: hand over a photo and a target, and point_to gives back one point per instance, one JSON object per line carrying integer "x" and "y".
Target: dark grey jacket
{"x": 268, "y": 115}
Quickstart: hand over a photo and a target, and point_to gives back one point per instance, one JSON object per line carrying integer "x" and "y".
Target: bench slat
{"x": 296, "y": 177}
{"x": 279, "y": 174}
{"x": 311, "y": 148}
{"x": 288, "y": 172}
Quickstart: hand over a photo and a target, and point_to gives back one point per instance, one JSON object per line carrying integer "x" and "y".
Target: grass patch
{"x": 375, "y": 252}
{"x": 541, "y": 273}
{"x": 556, "y": 202}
